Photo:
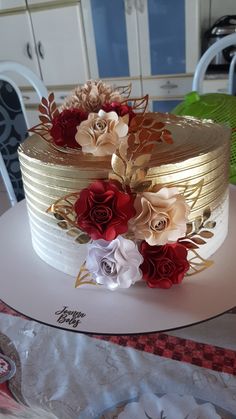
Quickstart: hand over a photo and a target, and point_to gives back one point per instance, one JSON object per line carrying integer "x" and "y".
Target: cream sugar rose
{"x": 117, "y": 195}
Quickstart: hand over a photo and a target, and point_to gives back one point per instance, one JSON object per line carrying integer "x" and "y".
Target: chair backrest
{"x": 206, "y": 59}
{"x": 8, "y": 155}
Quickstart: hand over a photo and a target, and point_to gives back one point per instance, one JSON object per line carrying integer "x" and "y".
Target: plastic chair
{"x": 37, "y": 84}
{"x": 206, "y": 59}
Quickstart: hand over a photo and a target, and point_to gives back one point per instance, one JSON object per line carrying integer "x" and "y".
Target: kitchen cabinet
{"x": 50, "y": 41}
{"x": 60, "y": 44}
{"x": 17, "y": 41}
{"x": 145, "y": 42}
{"x": 13, "y": 4}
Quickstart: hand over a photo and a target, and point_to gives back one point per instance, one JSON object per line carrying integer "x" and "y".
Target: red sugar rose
{"x": 64, "y": 127}
{"x": 103, "y": 210}
{"x": 120, "y": 109}
{"x": 165, "y": 265}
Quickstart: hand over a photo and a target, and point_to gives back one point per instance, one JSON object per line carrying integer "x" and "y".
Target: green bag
{"x": 219, "y": 108}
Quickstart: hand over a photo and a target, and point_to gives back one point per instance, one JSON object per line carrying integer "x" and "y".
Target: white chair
{"x": 37, "y": 84}
{"x": 206, "y": 59}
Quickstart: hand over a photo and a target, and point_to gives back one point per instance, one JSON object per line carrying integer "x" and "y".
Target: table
{"x": 84, "y": 376}
{"x": 176, "y": 374}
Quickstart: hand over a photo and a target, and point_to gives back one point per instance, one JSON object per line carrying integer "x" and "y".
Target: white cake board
{"x": 40, "y": 292}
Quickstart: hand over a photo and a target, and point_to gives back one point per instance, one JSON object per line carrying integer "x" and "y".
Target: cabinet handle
{"x": 40, "y": 50}
{"x": 139, "y": 5}
{"x": 128, "y": 6}
{"x": 169, "y": 85}
{"x": 29, "y": 50}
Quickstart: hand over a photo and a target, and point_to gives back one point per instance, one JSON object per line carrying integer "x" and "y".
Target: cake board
{"x": 46, "y": 295}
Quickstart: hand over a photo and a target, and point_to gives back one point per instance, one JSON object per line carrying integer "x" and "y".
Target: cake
{"x": 118, "y": 195}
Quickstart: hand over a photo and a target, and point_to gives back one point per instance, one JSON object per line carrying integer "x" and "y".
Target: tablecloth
{"x": 157, "y": 376}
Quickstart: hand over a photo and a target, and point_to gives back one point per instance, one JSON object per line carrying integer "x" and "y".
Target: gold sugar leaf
{"x": 158, "y": 125}
{"x": 142, "y": 160}
{"x": 139, "y": 175}
{"x": 189, "y": 228}
{"x": 138, "y": 104}
{"x": 124, "y": 90}
{"x": 83, "y": 238}
{"x": 206, "y": 234}
{"x": 63, "y": 225}
{"x": 84, "y": 277}
{"x": 73, "y": 232}
{"x": 113, "y": 176}
{"x": 51, "y": 97}
{"x": 142, "y": 186}
{"x": 44, "y": 119}
{"x": 198, "y": 264}
{"x": 42, "y": 109}
{"x": 118, "y": 165}
{"x": 44, "y": 101}
{"x": 123, "y": 147}
{"x": 147, "y": 122}
{"x": 54, "y": 107}
{"x": 48, "y": 110}
{"x": 206, "y": 213}
{"x": 64, "y": 208}
{"x": 188, "y": 244}
{"x": 197, "y": 223}
{"x": 58, "y": 217}
{"x": 191, "y": 192}
{"x": 210, "y": 224}
{"x": 198, "y": 240}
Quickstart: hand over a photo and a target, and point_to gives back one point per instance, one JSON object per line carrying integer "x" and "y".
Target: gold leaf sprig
{"x": 130, "y": 161}
{"x": 48, "y": 110}
{"x": 84, "y": 277}
{"x": 63, "y": 211}
{"x": 198, "y": 231}
{"x": 137, "y": 104}
{"x": 191, "y": 192}
{"x": 198, "y": 264}
{"x": 124, "y": 91}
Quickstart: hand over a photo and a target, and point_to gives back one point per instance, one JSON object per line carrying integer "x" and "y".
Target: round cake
{"x": 172, "y": 199}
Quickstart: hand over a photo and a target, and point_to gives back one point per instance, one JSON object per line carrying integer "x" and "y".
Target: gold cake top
{"x": 191, "y": 138}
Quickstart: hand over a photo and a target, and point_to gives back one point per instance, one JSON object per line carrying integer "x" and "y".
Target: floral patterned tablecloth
{"x": 71, "y": 375}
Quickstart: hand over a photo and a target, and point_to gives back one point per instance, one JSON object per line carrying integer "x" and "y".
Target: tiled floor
{"x": 4, "y": 202}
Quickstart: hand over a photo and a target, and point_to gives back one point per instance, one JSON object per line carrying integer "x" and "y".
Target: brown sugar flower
{"x": 92, "y": 96}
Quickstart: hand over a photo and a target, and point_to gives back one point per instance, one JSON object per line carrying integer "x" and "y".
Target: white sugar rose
{"x": 161, "y": 216}
{"x": 101, "y": 133}
{"x": 114, "y": 264}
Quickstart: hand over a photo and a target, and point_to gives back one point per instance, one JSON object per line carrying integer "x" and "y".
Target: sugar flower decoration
{"x": 161, "y": 216}
{"x": 163, "y": 266}
{"x": 114, "y": 264}
{"x": 91, "y": 96}
{"x": 101, "y": 133}
{"x": 103, "y": 210}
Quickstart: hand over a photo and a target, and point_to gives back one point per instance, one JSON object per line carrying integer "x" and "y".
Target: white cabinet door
{"x": 6, "y": 4}
{"x": 61, "y": 46}
{"x": 17, "y": 42}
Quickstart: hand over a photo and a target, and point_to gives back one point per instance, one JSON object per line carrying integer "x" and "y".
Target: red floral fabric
{"x": 165, "y": 265}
